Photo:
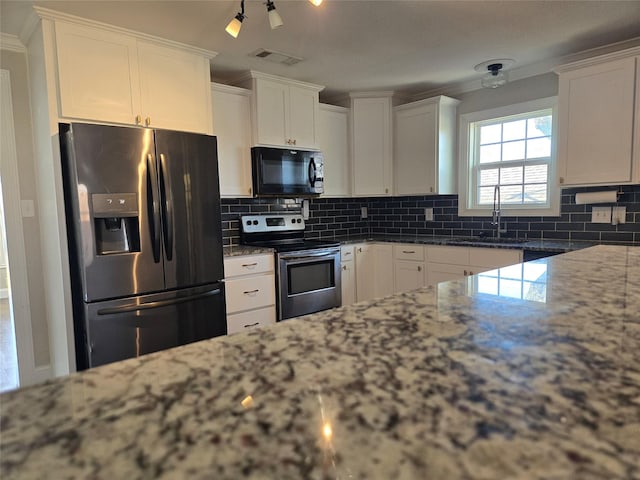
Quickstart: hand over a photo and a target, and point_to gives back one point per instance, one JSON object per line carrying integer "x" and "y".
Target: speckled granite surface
{"x": 239, "y": 250}
{"x": 450, "y": 383}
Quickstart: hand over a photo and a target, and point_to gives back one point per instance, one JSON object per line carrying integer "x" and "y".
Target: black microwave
{"x": 286, "y": 172}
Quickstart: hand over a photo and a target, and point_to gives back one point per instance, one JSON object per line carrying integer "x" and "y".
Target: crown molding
{"x": 48, "y": 14}
{"x": 254, "y": 74}
{"x": 221, "y": 87}
{"x": 11, "y": 43}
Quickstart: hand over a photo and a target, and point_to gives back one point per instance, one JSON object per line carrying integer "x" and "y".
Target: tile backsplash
{"x": 331, "y": 218}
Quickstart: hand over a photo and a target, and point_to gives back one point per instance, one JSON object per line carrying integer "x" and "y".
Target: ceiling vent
{"x": 276, "y": 57}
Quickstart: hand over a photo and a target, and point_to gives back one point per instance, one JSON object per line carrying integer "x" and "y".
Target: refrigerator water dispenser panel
{"x": 115, "y": 220}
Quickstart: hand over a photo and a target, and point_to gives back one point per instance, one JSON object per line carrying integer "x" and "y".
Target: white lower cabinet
{"x": 348, "y": 274}
{"x": 451, "y": 263}
{"x": 374, "y": 264}
{"x": 250, "y": 292}
{"x": 410, "y": 270}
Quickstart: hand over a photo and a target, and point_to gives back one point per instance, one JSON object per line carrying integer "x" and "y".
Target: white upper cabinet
{"x": 231, "y": 107}
{"x": 285, "y": 112}
{"x": 109, "y": 76}
{"x": 371, "y": 144}
{"x": 596, "y": 127}
{"x": 424, "y": 147}
{"x": 333, "y": 141}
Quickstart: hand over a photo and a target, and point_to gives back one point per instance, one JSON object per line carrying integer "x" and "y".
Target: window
{"x": 512, "y": 147}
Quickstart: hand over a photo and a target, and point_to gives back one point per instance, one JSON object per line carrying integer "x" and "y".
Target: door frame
{"x": 29, "y": 373}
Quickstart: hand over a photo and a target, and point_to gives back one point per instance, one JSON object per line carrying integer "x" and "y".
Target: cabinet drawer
{"x": 451, "y": 255}
{"x": 347, "y": 253}
{"x": 240, "y": 322}
{"x": 250, "y": 293}
{"x": 494, "y": 257}
{"x": 248, "y": 265}
{"x": 408, "y": 252}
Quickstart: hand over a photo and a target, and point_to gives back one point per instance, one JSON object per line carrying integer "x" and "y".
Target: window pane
{"x": 539, "y": 126}
{"x": 535, "y": 173}
{"x": 539, "y": 147}
{"x": 514, "y": 130}
{"x": 490, "y": 134}
{"x": 487, "y": 285}
{"x": 490, "y": 153}
{"x": 510, "y": 288}
{"x": 535, "y": 193}
{"x": 485, "y": 196}
{"x": 513, "y": 150}
{"x": 509, "y": 176}
{"x": 489, "y": 176}
{"x": 511, "y": 194}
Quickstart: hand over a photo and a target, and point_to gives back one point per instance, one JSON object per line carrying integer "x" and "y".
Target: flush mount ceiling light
{"x": 495, "y": 76}
{"x": 234, "y": 26}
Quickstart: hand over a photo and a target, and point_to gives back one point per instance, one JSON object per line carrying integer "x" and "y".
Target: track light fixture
{"x": 234, "y": 26}
{"x": 274, "y": 17}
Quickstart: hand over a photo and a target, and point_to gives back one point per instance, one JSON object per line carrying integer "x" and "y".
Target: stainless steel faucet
{"x": 496, "y": 211}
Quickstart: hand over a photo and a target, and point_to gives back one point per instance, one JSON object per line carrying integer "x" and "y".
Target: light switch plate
{"x": 601, "y": 215}
{"x": 619, "y": 215}
{"x": 363, "y": 212}
{"x": 428, "y": 214}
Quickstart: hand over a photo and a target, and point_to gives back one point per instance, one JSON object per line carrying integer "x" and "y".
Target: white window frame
{"x": 466, "y": 171}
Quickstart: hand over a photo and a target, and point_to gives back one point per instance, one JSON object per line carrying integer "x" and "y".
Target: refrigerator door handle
{"x": 155, "y": 206}
{"x": 168, "y": 207}
{"x": 133, "y": 307}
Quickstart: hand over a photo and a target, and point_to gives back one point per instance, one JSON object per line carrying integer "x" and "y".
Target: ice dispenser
{"x": 115, "y": 220}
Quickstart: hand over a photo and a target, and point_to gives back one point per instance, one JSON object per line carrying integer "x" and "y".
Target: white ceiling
{"x": 355, "y": 45}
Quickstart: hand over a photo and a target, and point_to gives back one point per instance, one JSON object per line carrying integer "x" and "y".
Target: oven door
{"x": 308, "y": 281}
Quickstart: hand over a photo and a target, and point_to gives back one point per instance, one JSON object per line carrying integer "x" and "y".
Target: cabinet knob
{"x": 138, "y": 119}
{"x": 295, "y": 142}
{"x": 561, "y": 179}
{"x": 465, "y": 273}
{"x": 344, "y": 267}
{"x": 430, "y": 189}
{"x": 147, "y": 121}
{"x": 250, "y": 190}
{"x": 386, "y": 190}
{"x": 419, "y": 268}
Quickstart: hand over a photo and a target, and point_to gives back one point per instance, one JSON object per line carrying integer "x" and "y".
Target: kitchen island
{"x": 529, "y": 375}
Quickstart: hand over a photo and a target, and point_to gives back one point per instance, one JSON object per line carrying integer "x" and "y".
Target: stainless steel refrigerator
{"x": 145, "y": 241}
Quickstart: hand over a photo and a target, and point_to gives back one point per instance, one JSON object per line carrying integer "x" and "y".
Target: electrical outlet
{"x": 428, "y": 214}
{"x": 619, "y": 215}
{"x": 363, "y": 212}
{"x": 601, "y": 215}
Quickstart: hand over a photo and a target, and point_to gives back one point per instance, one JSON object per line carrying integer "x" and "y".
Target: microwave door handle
{"x": 152, "y": 195}
{"x": 312, "y": 172}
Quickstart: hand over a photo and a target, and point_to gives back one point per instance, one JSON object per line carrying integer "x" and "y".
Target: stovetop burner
{"x": 282, "y": 232}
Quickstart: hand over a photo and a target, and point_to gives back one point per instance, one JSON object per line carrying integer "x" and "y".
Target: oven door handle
{"x": 309, "y": 255}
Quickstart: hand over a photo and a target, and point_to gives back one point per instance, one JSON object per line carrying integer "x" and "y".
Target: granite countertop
{"x": 447, "y": 382}
{"x": 557, "y": 246}
{"x": 240, "y": 250}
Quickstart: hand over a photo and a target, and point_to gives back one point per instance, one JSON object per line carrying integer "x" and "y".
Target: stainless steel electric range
{"x": 307, "y": 271}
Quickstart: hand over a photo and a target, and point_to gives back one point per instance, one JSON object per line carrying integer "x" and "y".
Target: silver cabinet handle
{"x": 408, "y": 251}
{"x": 252, "y": 325}
{"x": 249, "y": 265}
{"x": 251, "y": 292}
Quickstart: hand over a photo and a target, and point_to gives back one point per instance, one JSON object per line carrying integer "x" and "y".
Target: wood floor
{"x": 8, "y": 358}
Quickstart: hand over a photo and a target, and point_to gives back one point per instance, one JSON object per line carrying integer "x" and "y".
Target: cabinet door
{"x": 595, "y": 134}
{"x": 98, "y": 74}
{"x": 415, "y": 146}
{"x": 383, "y": 261}
{"x": 482, "y": 259}
{"x": 303, "y": 117}
{"x": 174, "y": 88}
{"x": 365, "y": 273}
{"x": 371, "y": 140}
{"x": 271, "y": 112}
{"x": 443, "y": 272}
{"x": 348, "y": 280}
{"x": 409, "y": 275}
{"x": 232, "y": 125}
{"x": 333, "y": 134}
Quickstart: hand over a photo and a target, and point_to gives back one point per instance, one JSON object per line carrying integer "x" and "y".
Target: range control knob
{"x": 255, "y": 222}
{"x": 248, "y": 222}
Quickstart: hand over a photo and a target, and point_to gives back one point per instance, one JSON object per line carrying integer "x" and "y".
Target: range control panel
{"x": 272, "y": 223}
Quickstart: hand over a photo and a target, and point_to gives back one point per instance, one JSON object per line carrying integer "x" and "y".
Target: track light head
{"x": 274, "y": 17}
{"x": 317, "y": 3}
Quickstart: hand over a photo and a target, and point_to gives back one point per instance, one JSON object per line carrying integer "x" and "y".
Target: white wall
{"x": 16, "y": 64}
